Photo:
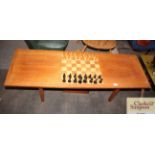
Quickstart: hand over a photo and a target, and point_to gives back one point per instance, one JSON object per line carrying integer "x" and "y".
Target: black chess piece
{"x": 100, "y": 80}
{"x": 80, "y": 81}
{"x": 95, "y": 76}
{"x": 64, "y": 77}
{"x": 75, "y": 79}
{"x": 80, "y": 78}
{"x": 99, "y": 77}
{"x": 91, "y": 80}
{"x": 95, "y": 81}
{"x": 89, "y": 76}
{"x": 69, "y": 78}
{"x": 85, "y": 79}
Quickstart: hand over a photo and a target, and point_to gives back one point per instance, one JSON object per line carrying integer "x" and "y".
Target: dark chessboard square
{"x": 69, "y": 68}
{"x": 92, "y": 65}
{"x": 78, "y": 61}
{"x": 78, "y": 68}
{"x": 73, "y": 65}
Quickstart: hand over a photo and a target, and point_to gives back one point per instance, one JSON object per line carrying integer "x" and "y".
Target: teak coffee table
{"x": 51, "y": 69}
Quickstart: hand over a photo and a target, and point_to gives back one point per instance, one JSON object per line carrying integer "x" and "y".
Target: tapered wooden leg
{"x": 41, "y": 93}
{"x": 84, "y": 48}
{"x": 114, "y": 93}
{"x": 142, "y": 93}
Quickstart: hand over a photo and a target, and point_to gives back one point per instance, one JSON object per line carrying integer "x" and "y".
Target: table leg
{"x": 41, "y": 93}
{"x": 84, "y": 48}
{"x": 114, "y": 93}
{"x": 142, "y": 93}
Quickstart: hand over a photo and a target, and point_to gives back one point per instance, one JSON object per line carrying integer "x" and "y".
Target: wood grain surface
{"x": 101, "y": 44}
{"x": 42, "y": 69}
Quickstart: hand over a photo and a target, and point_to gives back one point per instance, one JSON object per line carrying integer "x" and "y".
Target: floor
{"x": 27, "y": 101}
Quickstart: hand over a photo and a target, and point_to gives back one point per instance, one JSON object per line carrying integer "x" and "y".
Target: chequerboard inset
{"x": 81, "y": 67}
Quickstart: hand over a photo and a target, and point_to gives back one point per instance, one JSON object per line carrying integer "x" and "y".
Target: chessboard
{"x": 81, "y": 67}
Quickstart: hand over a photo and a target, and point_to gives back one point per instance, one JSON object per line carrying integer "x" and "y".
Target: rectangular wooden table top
{"x": 42, "y": 69}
